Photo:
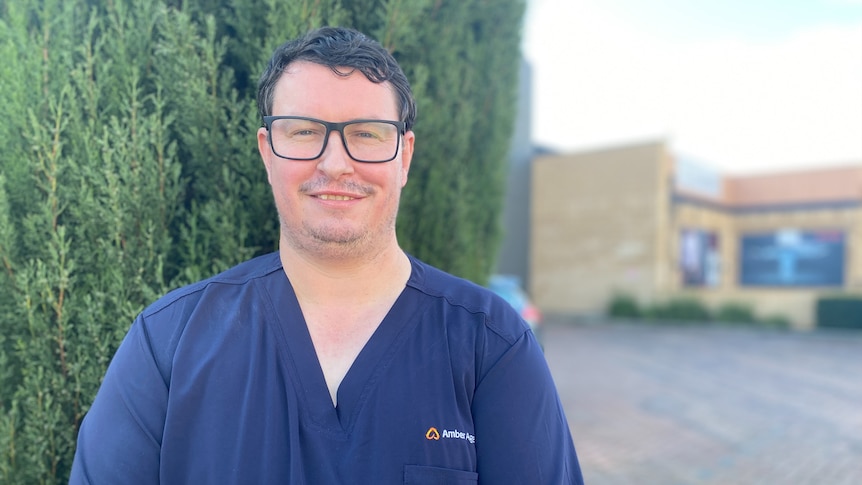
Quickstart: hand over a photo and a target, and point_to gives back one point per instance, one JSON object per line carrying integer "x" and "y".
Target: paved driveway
{"x": 668, "y": 404}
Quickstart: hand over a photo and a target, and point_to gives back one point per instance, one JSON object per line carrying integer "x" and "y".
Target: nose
{"x": 335, "y": 161}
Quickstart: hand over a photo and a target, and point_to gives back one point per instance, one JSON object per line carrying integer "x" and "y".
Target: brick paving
{"x": 709, "y": 404}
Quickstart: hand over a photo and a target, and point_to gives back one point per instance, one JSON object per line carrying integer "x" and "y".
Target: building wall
{"x": 833, "y": 184}
{"x": 796, "y": 304}
{"x": 596, "y": 226}
{"x": 609, "y": 221}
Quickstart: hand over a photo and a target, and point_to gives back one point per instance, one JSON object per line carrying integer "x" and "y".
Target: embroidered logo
{"x": 433, "y": 434}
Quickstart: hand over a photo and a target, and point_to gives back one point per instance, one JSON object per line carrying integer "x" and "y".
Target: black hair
{"x": 338, "y": 48}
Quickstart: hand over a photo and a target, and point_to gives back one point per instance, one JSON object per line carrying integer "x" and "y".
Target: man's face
{"x": 334, "y": 206}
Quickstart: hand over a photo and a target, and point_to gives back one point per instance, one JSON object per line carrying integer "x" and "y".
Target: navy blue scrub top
{"x": 218, "y": 382}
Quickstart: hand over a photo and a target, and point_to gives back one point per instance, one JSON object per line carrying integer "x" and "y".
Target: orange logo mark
{"x": 432, "y": 434}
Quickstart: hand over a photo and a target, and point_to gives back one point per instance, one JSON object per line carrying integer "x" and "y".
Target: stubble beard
{"x": 335, "y": 241}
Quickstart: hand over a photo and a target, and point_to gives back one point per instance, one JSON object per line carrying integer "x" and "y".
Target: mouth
{"x": 345, "y": 191}
{"x": 334, "y": 197}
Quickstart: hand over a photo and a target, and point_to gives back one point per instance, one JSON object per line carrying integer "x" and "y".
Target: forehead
{"x": 314, "y": 90}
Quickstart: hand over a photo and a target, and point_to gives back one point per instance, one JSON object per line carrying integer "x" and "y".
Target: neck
{"x": 357, "y": 279}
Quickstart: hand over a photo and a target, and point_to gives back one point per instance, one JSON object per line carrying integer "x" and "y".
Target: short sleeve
{"x": 521, "y": 431}
{"x": 120, "y": 437}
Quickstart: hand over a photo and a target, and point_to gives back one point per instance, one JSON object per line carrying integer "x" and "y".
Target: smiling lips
{"x": 334, "y": 197}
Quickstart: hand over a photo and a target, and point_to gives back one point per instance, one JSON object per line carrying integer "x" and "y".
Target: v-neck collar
{"x": 361, "y": 378}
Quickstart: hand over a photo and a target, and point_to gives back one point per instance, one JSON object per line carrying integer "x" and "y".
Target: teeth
{"x": 335, "y": 197}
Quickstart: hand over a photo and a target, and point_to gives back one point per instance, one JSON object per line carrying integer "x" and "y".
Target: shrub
{"x": 774, "y": 321}
{"x": 685, "y": 309}
{"x": 839, "y": 311}
{"x": 623, "y": 305}
{"x": 735, "y": 312}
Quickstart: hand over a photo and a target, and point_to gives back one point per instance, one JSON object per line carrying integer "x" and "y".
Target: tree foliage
{"x": 128, "y": 167}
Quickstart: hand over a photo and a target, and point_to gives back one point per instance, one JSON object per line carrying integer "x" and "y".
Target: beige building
{"x": 636, "y": 219}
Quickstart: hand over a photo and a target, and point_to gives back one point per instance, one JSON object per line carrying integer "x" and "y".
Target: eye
{"x": 366, "y": 134}
{"x": 298, "y": 128}
{"x": 370, "y": 131}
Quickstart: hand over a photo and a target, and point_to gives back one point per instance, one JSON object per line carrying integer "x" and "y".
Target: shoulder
{"x": 468, "y": 298}
{"x": 228, "y": 280}
{"x": 161, "y": 325}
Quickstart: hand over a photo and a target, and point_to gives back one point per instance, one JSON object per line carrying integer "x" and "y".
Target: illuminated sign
{"x": 792, "y": 257}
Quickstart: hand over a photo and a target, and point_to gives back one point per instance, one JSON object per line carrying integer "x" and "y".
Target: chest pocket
{"x": 429, "y": 475}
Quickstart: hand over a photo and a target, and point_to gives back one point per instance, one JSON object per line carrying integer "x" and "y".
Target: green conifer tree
{"x": 463, "y": 63}
{"x": 128, "y": 166}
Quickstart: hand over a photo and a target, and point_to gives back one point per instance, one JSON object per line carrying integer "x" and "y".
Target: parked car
{"x": 509, "y": 288}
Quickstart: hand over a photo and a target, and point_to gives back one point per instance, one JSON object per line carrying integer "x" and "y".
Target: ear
{"x": 265, "y": 151}
{"x": 408, "y": 139}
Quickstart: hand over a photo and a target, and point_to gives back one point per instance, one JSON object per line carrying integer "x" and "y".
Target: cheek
{"x": 282, "y": 176}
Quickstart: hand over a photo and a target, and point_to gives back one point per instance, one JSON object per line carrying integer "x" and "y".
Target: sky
{"x": 738, "y": 86}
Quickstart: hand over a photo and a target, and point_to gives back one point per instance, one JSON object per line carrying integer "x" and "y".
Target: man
{"x": 339, "y": 359}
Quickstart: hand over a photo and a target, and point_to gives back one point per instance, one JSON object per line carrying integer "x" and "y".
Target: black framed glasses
{"x": 301, "y": 138}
